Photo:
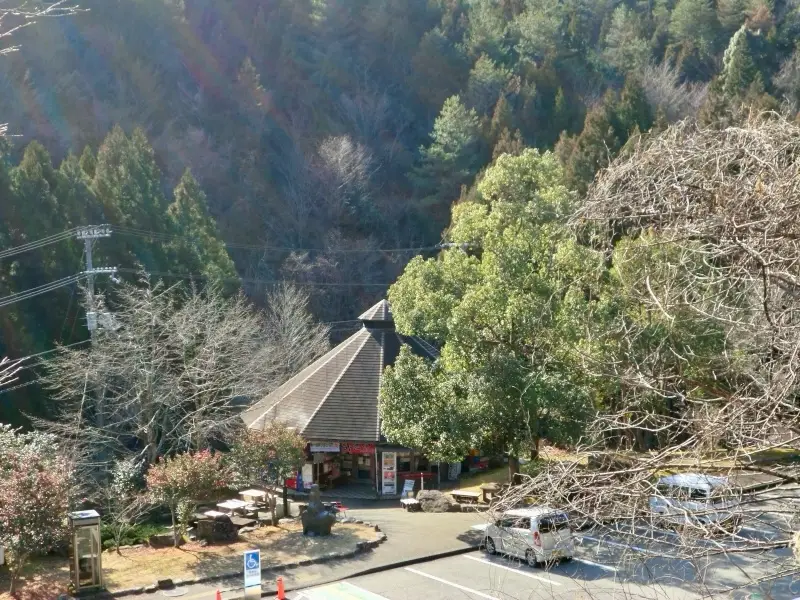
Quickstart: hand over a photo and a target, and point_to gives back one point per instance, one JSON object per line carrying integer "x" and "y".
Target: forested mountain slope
{"x": 327, "y": 139}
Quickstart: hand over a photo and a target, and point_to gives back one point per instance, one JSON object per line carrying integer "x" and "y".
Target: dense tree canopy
{"x": 326, "y": 138}
{"x": 507, "y": 304}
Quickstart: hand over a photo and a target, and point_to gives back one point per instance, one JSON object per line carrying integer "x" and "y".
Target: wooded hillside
{"x": 327, "y": 139}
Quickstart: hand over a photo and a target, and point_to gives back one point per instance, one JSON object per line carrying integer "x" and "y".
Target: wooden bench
{"x": 465, "y": 497}
{"x": 410, "y": 504}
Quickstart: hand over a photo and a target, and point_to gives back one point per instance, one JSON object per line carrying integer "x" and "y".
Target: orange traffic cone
{"x": 281, "y": 590}
{"x": 219, "y": 595}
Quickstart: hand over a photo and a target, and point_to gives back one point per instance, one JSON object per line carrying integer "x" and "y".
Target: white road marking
{"x": 512, "y": 569}
{"x": 594, "y": 564}
{"x": 363, "y": 591}
{"x": 451, "y": 584}
{"x": 617, "y": 544}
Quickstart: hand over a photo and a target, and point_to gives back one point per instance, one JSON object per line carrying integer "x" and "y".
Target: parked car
{"x": 537, "y": 534}
{"x": 696, "y": 499}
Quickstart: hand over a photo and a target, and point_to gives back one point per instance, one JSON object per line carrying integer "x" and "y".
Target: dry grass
{"x": 142, "y": 566}
{"x": 45, "y": 578}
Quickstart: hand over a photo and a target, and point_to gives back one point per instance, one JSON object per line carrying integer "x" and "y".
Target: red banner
{"x": 357, "y": 448}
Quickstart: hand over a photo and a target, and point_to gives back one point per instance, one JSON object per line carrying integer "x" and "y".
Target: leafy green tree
{"x": 266, "y": 458}
{"x": 439, "y": 69}
{"x": 128, "y": 181}
{"x": 88, "y": 162}
{"x": 197, "y": 247}
{"x": 508, "y": 143}
{"x": 625, "y": 48}
{"x": 486, "y": 82}
{"x": 181, "y": 481}
{"x": 539, "y": 29}
{"x": 694, "y": 22}
{"x": 606, "y": 130}
{"x": 486, "y": 32}
{"x": 421, "y": 407}
{"x": 733, "y": 13}
{"x": 35, "y": 494}
{"x": 739, "y": 70}
{"x": 452, "y": 159}
{"x": 508, "y": 314}
{"x": 75, "y": 194}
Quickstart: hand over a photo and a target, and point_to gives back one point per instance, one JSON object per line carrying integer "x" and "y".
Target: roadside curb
{"x": 166, "y": 584}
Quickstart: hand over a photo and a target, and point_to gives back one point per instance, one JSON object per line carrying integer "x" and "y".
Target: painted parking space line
{"x": 341, "y": 590}
{"x": 594, "y": 564}
{"x": 513, "y": 570}
{"x": 463, "y": 588}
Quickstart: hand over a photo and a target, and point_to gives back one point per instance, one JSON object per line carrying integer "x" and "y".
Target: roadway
{"x": 631, "y": 560}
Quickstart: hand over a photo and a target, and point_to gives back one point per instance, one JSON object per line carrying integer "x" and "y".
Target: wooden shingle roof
{"x": 336, "y": 397}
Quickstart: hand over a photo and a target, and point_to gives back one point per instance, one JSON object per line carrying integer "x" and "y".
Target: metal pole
{"x": 88, "y": 235}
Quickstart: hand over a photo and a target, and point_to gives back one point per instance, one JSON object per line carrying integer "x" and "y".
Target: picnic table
{"x": 253, "y": 496}
{"x": 465, "y": 496}
{"x": 231, "y": 506}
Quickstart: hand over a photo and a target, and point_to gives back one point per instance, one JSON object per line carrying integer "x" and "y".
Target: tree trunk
{"x": 513, "y": 467}
{"x": 535, "y": 449}
{"x": 172, "y": 510}
{"x": 285, "y": 495}
{"x": 19, "y": 562}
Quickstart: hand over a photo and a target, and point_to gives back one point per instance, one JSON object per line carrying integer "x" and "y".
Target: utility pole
{"x": 89, "y": 235}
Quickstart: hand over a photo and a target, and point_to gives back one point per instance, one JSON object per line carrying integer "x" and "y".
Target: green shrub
{"x": 137, "y": 534}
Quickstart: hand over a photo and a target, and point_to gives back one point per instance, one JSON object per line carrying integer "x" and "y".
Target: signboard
{"x": 324, "y": 446}
{"x": 252, "y": 568}
{"x": 358, "y": 448}
{"x": 307, "y": 476}
{"x": 389, "y": 470}
{"x": 408, "y": 488}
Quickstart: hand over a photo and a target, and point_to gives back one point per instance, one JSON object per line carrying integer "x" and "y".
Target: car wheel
{"x": 530, "y": 558}
{"x": 490, "y": 547}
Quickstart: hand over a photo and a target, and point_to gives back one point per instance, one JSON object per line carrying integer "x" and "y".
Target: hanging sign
{"x": 324, "y": 446}
{"x": 252, "y": 568}
{"x": 389, "y": 469}
{"x": 358, "y": 448}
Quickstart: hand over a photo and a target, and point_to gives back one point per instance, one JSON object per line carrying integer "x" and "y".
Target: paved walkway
{"x": 409, "y": 536}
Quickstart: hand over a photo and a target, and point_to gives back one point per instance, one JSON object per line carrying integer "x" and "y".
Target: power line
{"x": 35, "y": 245}
{"x": 37, "y": 355}
{"x": 189, "y": 276}
{"x": 42, "y": 289}
{"x": 165, "y": 237}
{"x": 16, "y": 387}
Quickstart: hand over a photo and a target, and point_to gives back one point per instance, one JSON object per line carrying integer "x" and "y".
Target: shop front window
{"x": 404, "y": 462}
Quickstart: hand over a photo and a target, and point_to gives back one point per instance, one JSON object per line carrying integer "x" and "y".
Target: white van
{"x": 696, "y": 499}
{"x": 537, "y": 534}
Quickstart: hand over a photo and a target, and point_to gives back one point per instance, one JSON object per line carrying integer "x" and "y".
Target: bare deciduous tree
{"x": 665, "y": 91}
{"x": 699, "y": 356}
{"x": 178, "y": 370}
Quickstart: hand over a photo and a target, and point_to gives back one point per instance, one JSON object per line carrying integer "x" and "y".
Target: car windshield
{"x": 554, "y": 522}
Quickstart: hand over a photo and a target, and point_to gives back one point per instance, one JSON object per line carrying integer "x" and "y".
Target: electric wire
{"x": 38, "y": 291}
{"x": 165, "y": 237}
{"x": 190, "y": 276}
{"x": 35, "y": 245}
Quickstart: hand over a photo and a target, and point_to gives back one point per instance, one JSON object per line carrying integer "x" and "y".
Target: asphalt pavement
{"x": 631, "y": 560}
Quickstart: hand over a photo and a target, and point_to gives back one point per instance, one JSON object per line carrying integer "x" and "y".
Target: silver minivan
{"x": 696, "y": 499}
{"x": 537, "y": 534}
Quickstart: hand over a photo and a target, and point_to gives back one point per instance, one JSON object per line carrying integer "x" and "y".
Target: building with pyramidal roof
{"x": 333, "y": 404}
